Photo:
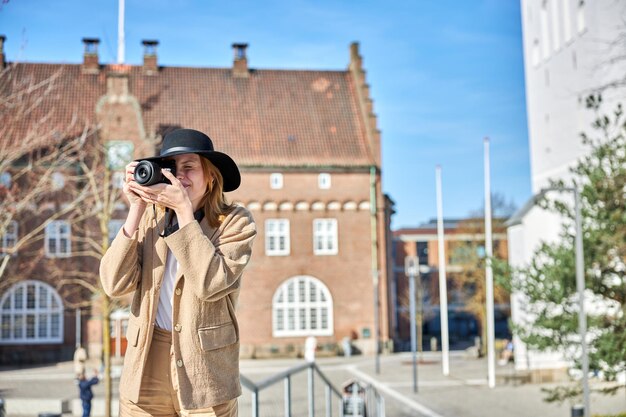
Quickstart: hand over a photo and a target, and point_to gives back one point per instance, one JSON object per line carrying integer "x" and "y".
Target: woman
{"x": 182, "y": 251}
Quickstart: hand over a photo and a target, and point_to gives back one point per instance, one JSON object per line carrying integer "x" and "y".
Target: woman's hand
{"x": 173, "y": 196}
{"x": 137, "y": 204}
{"x": 129, "y": 179}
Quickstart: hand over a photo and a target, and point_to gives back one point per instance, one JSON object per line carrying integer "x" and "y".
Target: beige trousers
{"x": 159, "y": 387}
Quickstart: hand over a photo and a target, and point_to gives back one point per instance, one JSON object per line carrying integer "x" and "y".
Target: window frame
{"x": 325, "y": 234}
{"x": 52, "y": 232}
{"x": 282, "y": 306}
{"x": 276, "y": 181}
{"x": 14, "y": 234}
{"x": 48, "y": 310}
{"x": 277, "y": 234}
{"x": 324, "y": 181}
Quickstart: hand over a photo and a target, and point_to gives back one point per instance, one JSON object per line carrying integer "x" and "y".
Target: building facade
{"x": 464, "y": 247}
{"x": 569, "y": 52}
{"x": 308, "y": 148}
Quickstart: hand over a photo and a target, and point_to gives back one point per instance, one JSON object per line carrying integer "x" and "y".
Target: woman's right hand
{"x": 133, "y": 198}
{"x": 137, "y": 204}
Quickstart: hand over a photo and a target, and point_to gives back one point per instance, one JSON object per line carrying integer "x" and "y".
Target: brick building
{"x": 309, "y": 153}
{"x": 464, "y": 241}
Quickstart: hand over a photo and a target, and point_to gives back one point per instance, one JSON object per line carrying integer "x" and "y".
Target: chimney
{"x": 240, "y": 64}
{"x": 150, "y": 66}
{"x": 90, "y": 58}
{"x": 3, "y": 61}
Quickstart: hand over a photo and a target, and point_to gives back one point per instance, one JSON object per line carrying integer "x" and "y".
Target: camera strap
{"x": 168, "y": 228}
{"x": 166, "y": 221}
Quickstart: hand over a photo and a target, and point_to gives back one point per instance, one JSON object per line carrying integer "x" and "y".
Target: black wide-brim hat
{"x": 182, "y": 141}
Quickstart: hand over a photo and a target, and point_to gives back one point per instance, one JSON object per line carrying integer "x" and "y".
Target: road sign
{"x": 411, "y": 265}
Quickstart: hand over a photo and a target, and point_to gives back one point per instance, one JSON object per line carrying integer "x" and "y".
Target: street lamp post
{"x": 580, "y": 287}
{"x": 412, "y": 269}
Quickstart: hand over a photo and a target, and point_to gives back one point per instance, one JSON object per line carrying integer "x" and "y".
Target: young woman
{"x": 182, "y": 251}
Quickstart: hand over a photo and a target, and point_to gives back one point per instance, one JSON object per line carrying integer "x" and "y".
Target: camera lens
{"x": 145, "y": 173}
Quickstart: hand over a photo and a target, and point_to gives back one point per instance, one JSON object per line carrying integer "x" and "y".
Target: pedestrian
{"x": 182, "y": 251}
{"x": 507, "y": 353}
{"x": 310, "y": 346}
{"x": 80, "y": 357}
{"x": 86, "y": 394}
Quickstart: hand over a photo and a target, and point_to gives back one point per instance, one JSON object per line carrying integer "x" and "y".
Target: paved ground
{"x": 32, "y": 391}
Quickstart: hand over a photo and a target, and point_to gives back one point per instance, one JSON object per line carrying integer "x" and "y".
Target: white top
{"x": 166, "y": 298}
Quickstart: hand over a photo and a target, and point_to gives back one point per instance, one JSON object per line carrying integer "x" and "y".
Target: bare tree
{"x": 95, "y": 185}
{"x": 33, "y": 148}
{"x": 55, "y": 168}
{"x": 470, "y": 281}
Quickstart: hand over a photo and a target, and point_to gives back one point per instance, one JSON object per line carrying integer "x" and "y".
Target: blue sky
{"x": 443, "y": 74}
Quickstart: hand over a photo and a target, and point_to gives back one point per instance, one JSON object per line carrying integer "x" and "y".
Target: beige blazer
{"x": 206, "y": 334}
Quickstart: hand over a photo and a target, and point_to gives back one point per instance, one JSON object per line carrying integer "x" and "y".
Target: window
{"x": 117, "y": 179}
{"x": 323, "y": 180}
{"x": 567, "y": 21}
{"x": 302, "y": 306}
{"x": 545, "y": 41}
{"x": 58, "y": 181}
{"x": 422, "y": 252}
{"x": 58, "y": 244}
{"x": 119, "y": 153}
{"x": 536, "y": 58}
{"x": 556, "y": 32}
{"x": 9, "y": 238}
{"x": 581, "y": 24}
{"x": 31, "y": 312}
{"x": 5, "y": 180}
{"x": 114, "y": 226}
{"x": 276, "y": 237}
{"x": 276, "y": 181}
{"x": 325, "y": 237}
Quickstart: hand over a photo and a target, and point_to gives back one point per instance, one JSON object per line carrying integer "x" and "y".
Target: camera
{"x": 149, "y": 172}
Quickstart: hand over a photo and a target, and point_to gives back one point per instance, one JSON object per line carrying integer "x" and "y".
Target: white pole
{"x": 120, "y": 33}
{"x": 582, "y": 315}
{"x": 78, "y": 329}
{"x": 413, "y": 330}
{"x": 491, "y": 356}
{"x": 443, "y": 291}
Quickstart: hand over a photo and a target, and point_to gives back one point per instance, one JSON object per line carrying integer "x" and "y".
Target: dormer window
{"x": 276, "y": 181}
{"x": 323, "y": 181}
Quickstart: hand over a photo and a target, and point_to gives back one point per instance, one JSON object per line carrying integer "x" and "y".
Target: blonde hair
{"x": 213, "y": 201}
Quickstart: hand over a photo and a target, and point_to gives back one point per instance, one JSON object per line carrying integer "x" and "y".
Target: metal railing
{"x": 371, "y": 400}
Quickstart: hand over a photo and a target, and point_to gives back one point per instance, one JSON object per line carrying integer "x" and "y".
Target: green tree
{"x": 549, "y": 282}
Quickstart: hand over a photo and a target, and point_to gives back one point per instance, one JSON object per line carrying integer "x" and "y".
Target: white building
{"x": 567, "y": 55}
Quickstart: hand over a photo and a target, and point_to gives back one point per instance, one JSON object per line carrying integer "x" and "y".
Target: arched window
{"x": 31, "y": 312}
{"x": 302, "y": 306}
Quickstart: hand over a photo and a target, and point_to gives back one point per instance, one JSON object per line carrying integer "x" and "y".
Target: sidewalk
{"x": 464, "y": 393}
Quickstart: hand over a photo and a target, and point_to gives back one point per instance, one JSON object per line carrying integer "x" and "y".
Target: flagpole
{"x": 443, "y": 291}
{"x": 491, "y": 357}
{"x": 120, "y": 33}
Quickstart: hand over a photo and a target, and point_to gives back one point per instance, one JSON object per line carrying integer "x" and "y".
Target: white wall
{"x": 560, "y": 73}
{"x": 557, "y": 84}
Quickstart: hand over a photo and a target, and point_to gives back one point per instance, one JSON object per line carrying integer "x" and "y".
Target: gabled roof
{"x": 271, "y": 118}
